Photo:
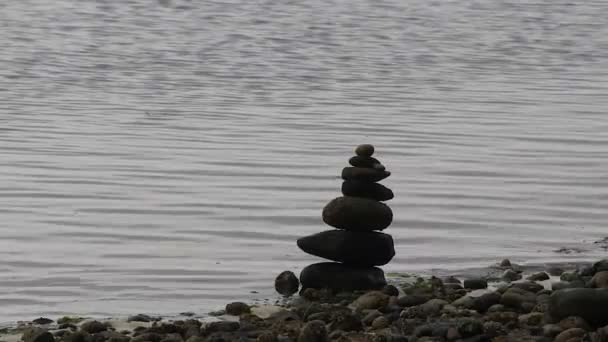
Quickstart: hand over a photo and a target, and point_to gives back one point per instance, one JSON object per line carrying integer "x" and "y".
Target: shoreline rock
{"x": 413, "y": 309}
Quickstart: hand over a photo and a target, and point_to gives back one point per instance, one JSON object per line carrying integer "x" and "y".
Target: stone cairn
{"x": 355, "y": 246}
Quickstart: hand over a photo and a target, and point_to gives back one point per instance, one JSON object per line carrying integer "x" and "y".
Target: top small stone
{"x": 365, "y": 150}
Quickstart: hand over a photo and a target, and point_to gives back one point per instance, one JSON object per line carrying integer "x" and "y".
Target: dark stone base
{"x": 341, "y": 277}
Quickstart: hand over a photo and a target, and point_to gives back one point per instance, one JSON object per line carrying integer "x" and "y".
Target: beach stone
{"x": 286, "y": 283}
{"x": 237, "y": 308}
{"x": 34, "y": 334}
{"x": 371, "y": 316}
{"x": 505, "y": 263}
{"x": 555, "y": 271}
{"x": 432, "y": 307}
{"x": 569, "y": 276}
{"x": 574, "y": 322}
{"x": 140, "y": 318}
{"x": 391, "y": 290}
{"x": 338, "y": 276}
{"x": 364, "y": 174}
{"x": 357, "y": 214}
{"x": 364, "y": 150}
{"x": 267, "y": 336}
{"x": 380, "y": 323}
{"x": 539, "y": 276}
{"x": 371, "y": 300}
{"x": 356, "y": 248}
{"x": 600, "y": 266}
{"x": 496, "y": 307}
{"x": 560, "y": 285}
{"x": 113, "y": 336}
{"x": 600, "y": 280}
{"x": 76, "y": 336}
{"x": 510, "y": 275}
{"x": 313, "y": 331}
{"x": 531, "y": 319}
{"x": 517, "y": 298}
{"x": 570, "y": 335}
{"x": 475, "y": 283}
{"x": 466, "y": 302}
{"x": 470, "y": 328}
{"x": 93, "y": 327}
{"x": 368, "y": 162}
{"x": 493, "y": 329}
{"x": 346, "y": 321}
{"x": 482, "y": 303}
{"x": 221, "y": 326}
{"x": 451, "y": 280}
{"x": 528, "y": 286}
{"x": 42, "y": 321}
{"x": 589, "y": 304}
{"x": 551, "y": 330}
{"x": 412, "y": 300}
{"x": 374, "y": 191}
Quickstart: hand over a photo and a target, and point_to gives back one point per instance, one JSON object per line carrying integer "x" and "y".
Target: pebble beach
{"x": 510, "y": 303}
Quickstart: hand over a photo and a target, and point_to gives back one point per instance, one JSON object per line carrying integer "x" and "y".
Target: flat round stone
{"x": 357, "y": 214}
{"x": 369, "y": 162}
{"x": 364, "y": 174}
{"x": 353, "y": 248}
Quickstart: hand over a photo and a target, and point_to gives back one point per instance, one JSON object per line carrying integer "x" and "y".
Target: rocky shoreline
{"x": 348, "y": 298}
{"x": 556, "y": 304}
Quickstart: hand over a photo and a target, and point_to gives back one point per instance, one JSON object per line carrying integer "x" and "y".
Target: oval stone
{"x": 364, "y": 174}
{"x": 373, "y": 191}
{"x": 369, "y": 162}
{"x": 365, "y": 150}
{"x": 341, "y": 277}
{"x": 357, "y": 214}
{"x": 589, "y": 304}
{"x": 354, "y": 248}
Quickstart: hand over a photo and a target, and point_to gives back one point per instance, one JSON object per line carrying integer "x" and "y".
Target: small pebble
{"x": 237, "y": 308}
{"x": 365, "y": 150}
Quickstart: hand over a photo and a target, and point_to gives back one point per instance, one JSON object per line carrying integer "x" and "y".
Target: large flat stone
{"x": 354, "y": 248}
{"x": 374, "y": 191}
{"x": 341, "y": 277}
{"x": 357, "y": 214}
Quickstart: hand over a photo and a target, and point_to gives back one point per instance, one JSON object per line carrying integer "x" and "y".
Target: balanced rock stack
{"x": 355, "y": 246}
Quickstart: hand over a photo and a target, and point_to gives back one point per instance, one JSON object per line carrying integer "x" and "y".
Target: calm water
{"x": 164, "y": 156}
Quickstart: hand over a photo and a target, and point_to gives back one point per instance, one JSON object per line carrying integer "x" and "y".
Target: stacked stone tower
{"x": 356, "y": 246}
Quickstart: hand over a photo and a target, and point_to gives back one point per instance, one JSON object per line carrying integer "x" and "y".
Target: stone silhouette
{"x": 356, "y": 246}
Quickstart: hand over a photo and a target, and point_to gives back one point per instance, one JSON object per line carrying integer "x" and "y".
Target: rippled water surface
{"x": 164, "y": 156}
